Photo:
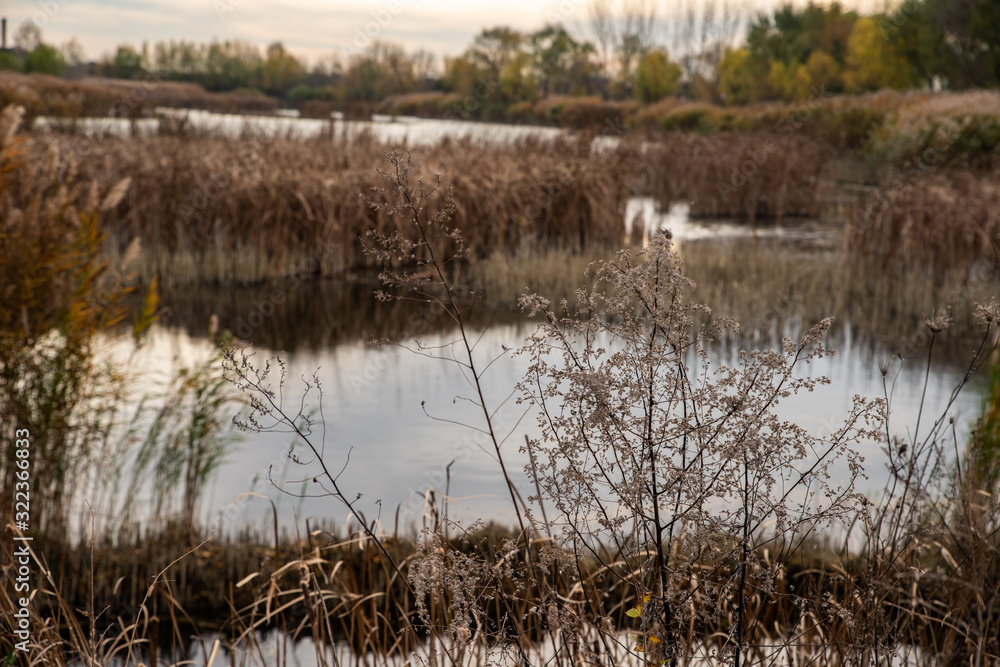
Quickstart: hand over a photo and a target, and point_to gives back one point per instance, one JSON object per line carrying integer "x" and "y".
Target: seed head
{"x": 938, "y": 323}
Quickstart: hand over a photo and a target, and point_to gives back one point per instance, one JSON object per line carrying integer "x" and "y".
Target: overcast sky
{"x": 309, "y": 28}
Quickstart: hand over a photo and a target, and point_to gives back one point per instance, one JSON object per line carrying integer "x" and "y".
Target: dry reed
{"x": 941, "y": 219}
{"x": 213, "y": 210}
{"x": 754, "y": 175}
{"x": 43, "y": 95}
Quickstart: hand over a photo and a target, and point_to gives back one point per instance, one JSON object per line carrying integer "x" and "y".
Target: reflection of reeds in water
{"x": 212, "y": 210}
{"x": 771, "y": 290}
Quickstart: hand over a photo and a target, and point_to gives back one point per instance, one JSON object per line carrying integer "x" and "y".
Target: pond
{"x": 391, "y": 417}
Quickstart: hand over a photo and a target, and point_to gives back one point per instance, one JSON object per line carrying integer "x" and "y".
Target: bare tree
{"x": 602, "y": 26}
{"x": 635, "y": 36}
{"x": 28, "y": 36}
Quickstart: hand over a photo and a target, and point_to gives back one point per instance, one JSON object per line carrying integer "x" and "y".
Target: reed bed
{"x": 44, "y": 95}
{"x": 942, "y": 219}
{"x": 212, "y": 210}
{"x": 770, "y": 290}
{"x": 937, "y": 594}
{"x": 924, "y": 579}
{"x": 744, "y": 175}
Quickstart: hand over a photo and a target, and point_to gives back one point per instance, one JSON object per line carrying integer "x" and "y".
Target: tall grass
{"x": 937, "y": 218}
{"x": 62, "y": 305}
{"x": 212, "y": 210}
{"x": 44, "y": 95}
{"x": 745, "y": 175}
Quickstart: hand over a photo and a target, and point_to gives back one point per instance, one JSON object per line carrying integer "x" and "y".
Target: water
{"x": 390, "y": 414}
{"x": 391, "y": 417}
{"x": 401, "y": 130}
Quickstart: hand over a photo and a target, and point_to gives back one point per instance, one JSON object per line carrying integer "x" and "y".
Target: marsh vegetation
{"x": 665, "y": 507}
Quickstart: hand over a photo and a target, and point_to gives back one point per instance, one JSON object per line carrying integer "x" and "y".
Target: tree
{"x": 9, "y": 61}
{"x": 740, "y": 80}
{"x": 969, "y": 31}
{"x": 919, "y": 39}
{"x": 235, "y": 64}
{"x": 516, "y": 80}
{"x": 561, "y": 64}
{"x": 28, "y": 37}
{"x": 383, "y": 69}
{"x": 45, "y": 59}
{"x": 656, "y": 77}
{"x": 602, "y": 26}
{"x": 127, "y": 63}
{"x": 493, "y": 50}
{"x": 637, "y": 25}
{"x": 281, "y": 71}
{"x": 824, "y": 72}
{"x": 460, "y": 75}
{"x": 872, "y": 62}
{"x": 72, "y": 52}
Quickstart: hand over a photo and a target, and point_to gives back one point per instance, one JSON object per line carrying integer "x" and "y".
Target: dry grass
{"x": 212, "y": 210}
{"x": 750, "y": 176}
{"x": 334, "y": 588}
{"x": 43, "y": 95}
{"x": 941, "y": 219}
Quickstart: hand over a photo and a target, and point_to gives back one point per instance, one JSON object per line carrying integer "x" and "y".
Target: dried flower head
{"x": 938, "y": 323}
{"x": 988, "y": 312}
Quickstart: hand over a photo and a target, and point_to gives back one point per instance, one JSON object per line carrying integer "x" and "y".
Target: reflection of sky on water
{"x": 374, "y": 407}
{"x": 683, "y": 228}
{"x": 403, "y": 130}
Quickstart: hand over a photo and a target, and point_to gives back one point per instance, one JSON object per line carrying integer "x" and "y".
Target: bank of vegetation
{"x": 705, "y": 553}
{"x": 624, "y": 58}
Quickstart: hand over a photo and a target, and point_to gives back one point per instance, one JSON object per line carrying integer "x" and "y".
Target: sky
{"x": 308, "y": 28}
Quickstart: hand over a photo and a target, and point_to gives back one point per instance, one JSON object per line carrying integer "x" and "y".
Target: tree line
{"x": 625, "y": 50}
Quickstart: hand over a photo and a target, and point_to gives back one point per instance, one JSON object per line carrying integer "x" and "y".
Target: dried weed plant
{"x": 678, "y": 513}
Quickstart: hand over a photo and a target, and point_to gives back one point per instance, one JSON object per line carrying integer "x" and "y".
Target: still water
{"x": 401, "y": 130}
{"x": 397, "y": 422}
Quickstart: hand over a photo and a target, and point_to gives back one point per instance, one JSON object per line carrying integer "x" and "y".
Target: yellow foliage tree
{"x": 656, "y": 77}
{"x": 824, "y": 71}
{"x": 739, "y": 81}
{"x": 872, "y": 61}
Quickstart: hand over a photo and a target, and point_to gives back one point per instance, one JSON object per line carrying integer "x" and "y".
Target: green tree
{"x": 562, "y": 65}
{"x": 45, "y": 59}
{"x": 791, "y": 35}
{"x": 127, "y": 63}
{"x": 919, "y": 39}
{"x": 234, "y": 64}
{"x": 824, "y": 72}
{"x": 494, "y": 49}
{"x": 460, "y": 75}
{"x": 969, "y": 32}
{"x": 656, "y": 77}
{"x": 781, "y": 79}
{"x": 281, "y": 71}
{"x": 383, "y": 69}
{"x": 9, "y": 61}
{"x": 516, "y": 80}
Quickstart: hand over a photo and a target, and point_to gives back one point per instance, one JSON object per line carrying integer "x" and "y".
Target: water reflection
{"x": 402, "y": 130}
{"x": 391, "y": 415}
